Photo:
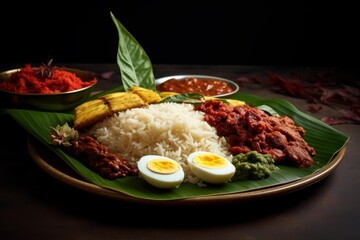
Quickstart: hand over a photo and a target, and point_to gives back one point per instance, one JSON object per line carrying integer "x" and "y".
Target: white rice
{"x": 173, "y": 130}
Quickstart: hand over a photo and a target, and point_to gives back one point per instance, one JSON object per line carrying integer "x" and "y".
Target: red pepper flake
{"x": 320, "y": 88}
{"x": 293, "y": 86}
{"x": 314, "y": 108}
{"x": 33, "y": 80}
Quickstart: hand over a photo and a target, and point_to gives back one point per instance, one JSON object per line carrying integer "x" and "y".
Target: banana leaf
{"x": 134, "y": 64}
{"x": 326, "y": 140}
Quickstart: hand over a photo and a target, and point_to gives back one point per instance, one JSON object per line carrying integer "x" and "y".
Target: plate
{"x": 54, "y": 166}
{"x": 329, "y": 142}
{"x": 230, "y": 83}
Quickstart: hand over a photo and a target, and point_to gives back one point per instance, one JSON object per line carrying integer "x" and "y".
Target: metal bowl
{"x": 232, "y": 84}
{"x": 54, "y": 102}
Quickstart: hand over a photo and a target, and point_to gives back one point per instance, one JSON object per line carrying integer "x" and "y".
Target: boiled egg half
{"x": 211, "y": 167}
{"x": 160, "y": 171}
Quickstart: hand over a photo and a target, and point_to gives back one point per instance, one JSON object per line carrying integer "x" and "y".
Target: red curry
{"x": 207, "y": 87}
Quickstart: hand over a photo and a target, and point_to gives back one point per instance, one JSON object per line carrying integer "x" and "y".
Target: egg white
{"x": 211, "y": 175}
{"x": 172, "y": 180}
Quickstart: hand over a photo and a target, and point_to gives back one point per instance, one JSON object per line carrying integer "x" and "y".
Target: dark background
{"x": 182, "y": 32}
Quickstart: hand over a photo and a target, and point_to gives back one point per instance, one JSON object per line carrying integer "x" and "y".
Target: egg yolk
{"x": 163, "y": 166}
{"x": 210, "y": 161}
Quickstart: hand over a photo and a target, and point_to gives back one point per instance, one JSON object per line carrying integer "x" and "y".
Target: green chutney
{"x": 253, "y": 165}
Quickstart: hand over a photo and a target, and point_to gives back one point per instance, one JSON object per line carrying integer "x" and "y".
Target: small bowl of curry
{"x": 210, "y": 86}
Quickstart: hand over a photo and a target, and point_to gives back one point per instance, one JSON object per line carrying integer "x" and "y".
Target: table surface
{"x": 33, "y": 204}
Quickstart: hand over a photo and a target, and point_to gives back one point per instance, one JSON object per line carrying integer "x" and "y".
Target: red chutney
{"x": 207, "y": 87}
{"x": 32, "y": 80}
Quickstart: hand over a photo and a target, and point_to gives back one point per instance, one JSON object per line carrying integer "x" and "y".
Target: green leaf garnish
{"x": 63, "y": 135}
{"x": 134, "y": 64}
{"x": 46, "y": 71}
{"x": 184, "y": 97}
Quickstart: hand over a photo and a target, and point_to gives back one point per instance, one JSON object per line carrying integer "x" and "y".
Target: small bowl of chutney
{"x": 210, "y": 86}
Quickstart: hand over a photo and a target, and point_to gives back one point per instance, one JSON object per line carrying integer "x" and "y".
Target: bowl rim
{"x": 233, "y": 84}
{"x": 73, "y": 70}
